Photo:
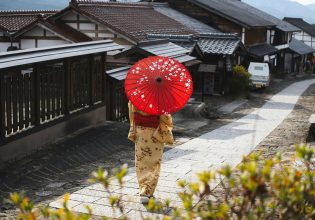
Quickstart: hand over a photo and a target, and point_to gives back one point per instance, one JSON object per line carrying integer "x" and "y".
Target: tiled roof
{"x": 280, "y": 24}
{"x": 209, "y": 43}
{"x": 161, "y": 48}
{"x": 60, "y": 29}
{"x": 304, "y": 26}
{"x": 13, "y": 21}
{"x": 218, "y": 44}
{"x": 235, "y": 10}
{"x": 189, "y": 22}
{"x": 261, "y": 50}
{"x": 134, "y": 20}
{"x": 186, "y": 41}
{"x": 37, "y": 55}
{"x": 299, "y": 47}
{"x": 118, "y": 73}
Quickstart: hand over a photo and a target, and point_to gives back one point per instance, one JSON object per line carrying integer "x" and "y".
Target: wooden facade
{"x": 213, "y": 75}
{"x": 256, "y": 36}
{"x": 42, "y": 92}
{"x": 117, "y": 100}
{"x": 38, "y": 94}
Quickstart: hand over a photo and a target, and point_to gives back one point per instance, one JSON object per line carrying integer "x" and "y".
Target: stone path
{"x": 229, "y": 108}
{"x": 225, "y": 145}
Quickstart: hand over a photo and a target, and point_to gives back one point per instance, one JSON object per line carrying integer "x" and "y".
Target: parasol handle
{"x": 158, "y": 79}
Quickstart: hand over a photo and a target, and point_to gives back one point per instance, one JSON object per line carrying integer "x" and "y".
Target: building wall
{"x": 5, "y": 42}
{"x": 35, "y": 32}
{"x": 94, "y": 29}
{"x": 288, "y": 59}
{"x": 40, "y": 37}
{"x": 27, "y": 44}
{"x": 255, "y": 36}
{"x": 4, "y": 46}
{"x": 49, "y": 43}
{"x": 306, "y": 38}
{"x": 34, "y": 38}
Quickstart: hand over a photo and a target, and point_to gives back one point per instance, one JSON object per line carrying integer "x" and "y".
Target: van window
{"x": 258, "y": 68}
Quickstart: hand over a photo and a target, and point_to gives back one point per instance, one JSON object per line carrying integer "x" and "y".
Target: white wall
{"x": 27, "y": 43}
{"x": 70, "y": 16}
{"x": 4, "y": 46}
{"x": 73, "y": 25}
{"x": 90, "y": 30}
{"x": 37, "y": 31}
{"x": 48, "y": 43}
{"x": 306, "y": 38}
{"x": 49, "y": 34}
{"x": 87, "y": 26}
{"x": 106, "y": 35}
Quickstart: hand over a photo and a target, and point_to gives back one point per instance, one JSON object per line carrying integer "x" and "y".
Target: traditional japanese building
{"x": 125, "y": 23}
{"x": 307, "y": 31}
{"x": 32, "y": 29}
{"x": 42, "y": 33}
{"x": 263, "y": 34}
{"x": 300, "y": 53}
{"x": 218, "y": 51}
{"x": 13, "y": 21}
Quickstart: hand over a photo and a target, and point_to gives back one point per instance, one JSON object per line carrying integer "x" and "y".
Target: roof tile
{"x": 300, "y": 47}
{"x": 13, "y": 21}
{"x": 261, "y": 50}
{"x": 300, "y": 23}
{"x": 134, "y": 20}
{"x": 235, "y": 10}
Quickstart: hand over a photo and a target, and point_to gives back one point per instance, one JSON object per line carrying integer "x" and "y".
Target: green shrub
{"x": 256, "y": 189}
{"x": 239, "y": 83}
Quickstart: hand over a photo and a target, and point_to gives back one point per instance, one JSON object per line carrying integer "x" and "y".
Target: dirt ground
{"x": 64, "y": 166}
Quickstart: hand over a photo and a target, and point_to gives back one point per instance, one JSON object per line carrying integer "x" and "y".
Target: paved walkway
{"x": 230, "y": 107}
{"x": 225, "y": 145}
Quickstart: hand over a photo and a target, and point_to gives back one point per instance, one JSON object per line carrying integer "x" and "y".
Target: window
{"x": 259, "y": 68}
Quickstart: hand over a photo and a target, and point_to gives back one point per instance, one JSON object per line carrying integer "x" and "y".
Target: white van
{"x": 260, "y": 74}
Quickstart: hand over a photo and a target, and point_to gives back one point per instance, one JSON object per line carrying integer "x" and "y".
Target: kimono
{"x": 149, "y": 146}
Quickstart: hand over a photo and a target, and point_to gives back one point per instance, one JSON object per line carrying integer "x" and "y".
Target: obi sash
{"x": 150, "y": 121}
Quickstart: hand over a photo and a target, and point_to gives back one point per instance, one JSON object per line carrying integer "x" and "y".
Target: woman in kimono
{"x": 149, "y": 133}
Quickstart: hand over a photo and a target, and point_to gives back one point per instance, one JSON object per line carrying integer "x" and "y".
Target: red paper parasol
{"x": 158, "y": 85}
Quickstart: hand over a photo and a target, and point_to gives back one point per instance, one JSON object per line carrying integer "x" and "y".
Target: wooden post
{"x": 92, "y": 68}
{"x": 67, "y": 88}
{"x": 106, "y": 89}
{"x": 36, "y": 94}
{"x": 104, "y": 78}
{"x": 224, "y": 76}
{"x": 2, "y": 107}
{"x": 203, "y": 86}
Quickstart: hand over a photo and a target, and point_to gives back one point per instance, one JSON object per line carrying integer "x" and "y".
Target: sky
{"x": 305, "y": 2}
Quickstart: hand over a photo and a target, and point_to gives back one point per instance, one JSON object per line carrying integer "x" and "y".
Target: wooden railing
{"x": 118, "y": 102}
{"x": 37, "y": 94}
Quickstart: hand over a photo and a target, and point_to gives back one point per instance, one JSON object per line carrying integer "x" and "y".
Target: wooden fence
{"x": 37, "y": 94}
{"x": 118, "y": 101}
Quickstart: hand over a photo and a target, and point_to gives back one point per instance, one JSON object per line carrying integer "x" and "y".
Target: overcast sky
{"x": 305, "y": 2}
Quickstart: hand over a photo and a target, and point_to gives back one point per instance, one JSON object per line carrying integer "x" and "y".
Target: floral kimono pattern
{"x": 149, "y": 146}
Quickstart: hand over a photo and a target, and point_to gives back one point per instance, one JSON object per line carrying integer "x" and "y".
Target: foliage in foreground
{"x": 239, "y": 83}
{"x": 256, "y": 189}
